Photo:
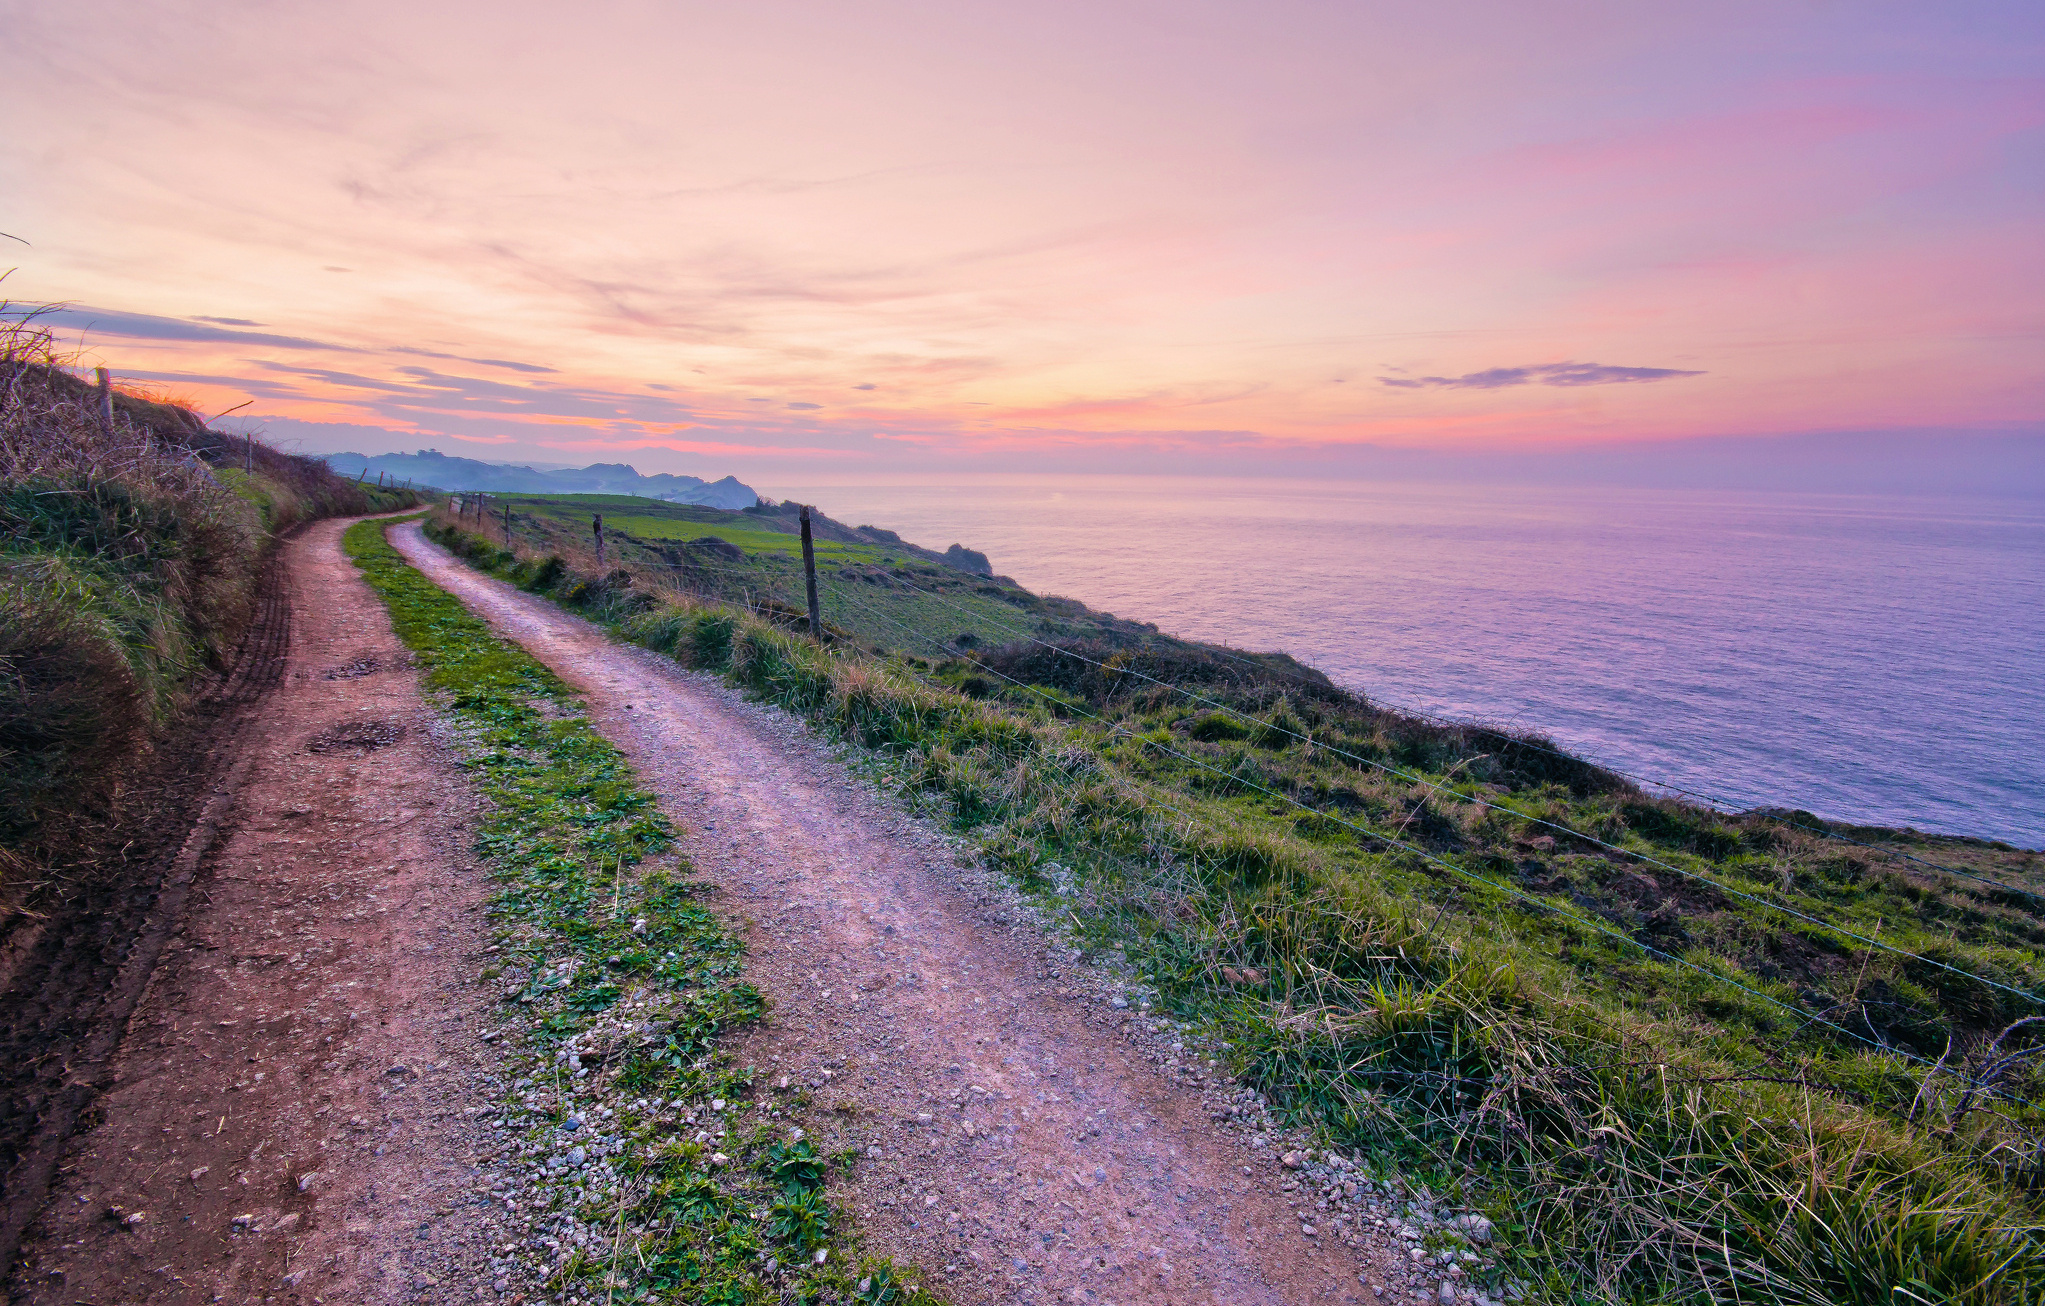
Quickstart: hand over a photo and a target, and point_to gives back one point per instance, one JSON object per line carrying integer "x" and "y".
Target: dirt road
{"x": 292, "y": 1111}
{"x": 286, "y": 1118}
{"x": 1028, "y": 1144}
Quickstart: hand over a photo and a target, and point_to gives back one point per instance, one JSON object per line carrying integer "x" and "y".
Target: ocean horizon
{"x": 1873, "y": 659}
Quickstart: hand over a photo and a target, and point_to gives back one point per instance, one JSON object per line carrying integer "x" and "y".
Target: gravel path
{"x": 1026, "y": 1140}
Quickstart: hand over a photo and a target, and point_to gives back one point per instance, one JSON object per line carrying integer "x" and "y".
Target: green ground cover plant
{"x": 1676, "y": 1054}
{"x": 665, "y": 1172}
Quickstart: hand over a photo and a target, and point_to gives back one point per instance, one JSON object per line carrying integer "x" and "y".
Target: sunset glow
{"x": 722, "y": 237}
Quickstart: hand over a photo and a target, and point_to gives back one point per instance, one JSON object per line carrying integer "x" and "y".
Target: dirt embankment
{"x": 72, "y": 970}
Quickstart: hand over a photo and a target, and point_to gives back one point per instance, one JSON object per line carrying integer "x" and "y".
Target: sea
{"x": 1874, "y": 660}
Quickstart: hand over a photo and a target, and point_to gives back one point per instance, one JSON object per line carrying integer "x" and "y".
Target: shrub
{"x": 1214, "y": 727}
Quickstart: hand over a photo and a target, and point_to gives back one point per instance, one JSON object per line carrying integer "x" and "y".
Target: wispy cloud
{"x": 480, "y": 362}
{"x": 148, "y": 326}
{"x": 1564, "y": 374}
{"x": 145, "y": 326}
{"x": 1195, "y": 245}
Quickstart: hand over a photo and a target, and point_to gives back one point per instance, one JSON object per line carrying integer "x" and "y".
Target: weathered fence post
{"x": 596, "y": 526}
{"x": 809, "y": 576}
{"x": 106, "y": 401}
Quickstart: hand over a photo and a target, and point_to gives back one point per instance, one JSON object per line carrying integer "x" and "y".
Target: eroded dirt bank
{"x": 286, "y": 1118}
{"x": 1018, "y": 1141}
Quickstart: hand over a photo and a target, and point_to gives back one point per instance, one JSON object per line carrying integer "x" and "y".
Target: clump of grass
{"x": 1661, "y": 1089}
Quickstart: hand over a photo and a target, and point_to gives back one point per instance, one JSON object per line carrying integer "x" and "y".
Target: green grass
{"x": 655, "y": 519}
{"x": 870, "y": 593}
{"x": 752, "y": 541}
{"x": 575, "y": 509}
{"x": 597, "y": 917}
{"x": 1540, "y": 1025}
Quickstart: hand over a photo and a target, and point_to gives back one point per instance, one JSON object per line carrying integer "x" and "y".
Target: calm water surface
{"x": 1877, "y": 660}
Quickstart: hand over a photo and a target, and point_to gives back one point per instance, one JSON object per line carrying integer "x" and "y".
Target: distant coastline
{"x": 432, "y": 468}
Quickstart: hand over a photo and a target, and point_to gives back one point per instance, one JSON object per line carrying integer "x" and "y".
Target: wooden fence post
{"x": 809, "y": 576}
{"x": 106, "y": 401}
{"x": 596, "y": 526}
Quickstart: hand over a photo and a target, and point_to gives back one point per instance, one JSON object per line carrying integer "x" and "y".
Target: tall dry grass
{"x": 124, "y": 566}
{"x": 129, "y": 556}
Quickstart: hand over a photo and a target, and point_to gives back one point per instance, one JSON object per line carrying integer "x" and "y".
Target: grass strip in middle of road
{"x": 638, "y": 1163}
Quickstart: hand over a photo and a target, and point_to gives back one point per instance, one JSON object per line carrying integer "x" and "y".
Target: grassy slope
{"x": 128, "y": 565}
{"x": 620, "y": 973}
{"x": 1618, "y": 1056}
{"x": 880, "y": 594}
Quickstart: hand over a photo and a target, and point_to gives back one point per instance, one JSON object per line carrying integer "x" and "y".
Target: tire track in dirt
{"x": 288, "y": 1117}
{"x": 1014, "y": 1132}
{"x": 71, "y": 974}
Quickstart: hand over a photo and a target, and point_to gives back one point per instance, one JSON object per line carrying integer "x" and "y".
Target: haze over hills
{"x": 430, "y": 467}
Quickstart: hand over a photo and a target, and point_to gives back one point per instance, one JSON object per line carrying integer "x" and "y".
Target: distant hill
{"x": 430, "y": 467}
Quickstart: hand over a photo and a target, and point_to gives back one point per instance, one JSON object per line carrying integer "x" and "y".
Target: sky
{"x": 752, "y": 238}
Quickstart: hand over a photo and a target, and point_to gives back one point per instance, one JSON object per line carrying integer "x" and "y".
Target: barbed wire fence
{"x": 839, "y": 589}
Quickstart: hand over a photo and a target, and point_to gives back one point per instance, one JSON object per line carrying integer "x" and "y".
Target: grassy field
{"x": 879, "y": 595}
{"x": 1677, "y": 1054}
